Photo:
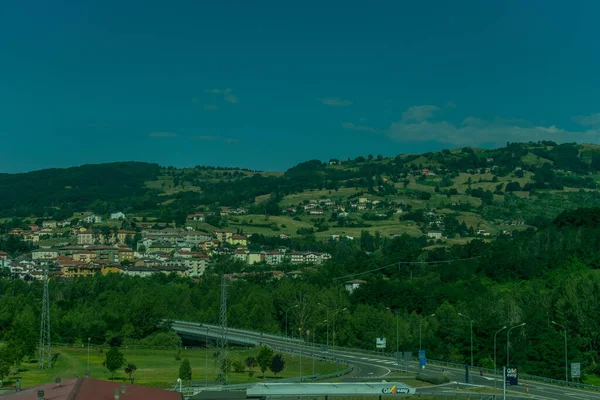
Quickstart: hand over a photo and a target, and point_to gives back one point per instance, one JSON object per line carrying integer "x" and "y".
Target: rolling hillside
{"x": 486, "y": 189}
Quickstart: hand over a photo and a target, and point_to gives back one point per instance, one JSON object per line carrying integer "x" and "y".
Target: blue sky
{"x": 268, "y": 84}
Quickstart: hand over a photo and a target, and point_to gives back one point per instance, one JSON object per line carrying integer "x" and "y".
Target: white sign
{"x": 575, "y": 370}
{"x": 380, "y": 343}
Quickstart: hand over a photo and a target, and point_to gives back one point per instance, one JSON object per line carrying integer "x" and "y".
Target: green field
{"x": 156, "y": 368}
{"x": 297, "y": 198}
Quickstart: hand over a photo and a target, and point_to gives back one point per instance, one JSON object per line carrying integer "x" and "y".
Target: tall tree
{"x": 264, "y": 358}
{"x": 277, "y": 364}
{"x": 114, "y": 360}
{"x": 185, "y": 370}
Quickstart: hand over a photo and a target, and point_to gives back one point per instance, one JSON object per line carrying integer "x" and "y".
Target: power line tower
{"x": 44, "y": 350}
{"x": 222, "y": 344}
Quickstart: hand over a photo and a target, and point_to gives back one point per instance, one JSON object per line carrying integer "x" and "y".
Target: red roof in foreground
{"x": 91, "y": 389}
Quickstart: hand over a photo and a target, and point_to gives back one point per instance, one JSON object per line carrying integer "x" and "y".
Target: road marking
{"x": 579, "y": 395}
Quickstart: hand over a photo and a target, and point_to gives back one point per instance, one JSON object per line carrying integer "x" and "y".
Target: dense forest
{"x": 537, "y": 276}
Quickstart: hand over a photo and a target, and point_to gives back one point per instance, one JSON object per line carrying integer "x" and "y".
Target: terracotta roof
{"x": 92, "y": 389}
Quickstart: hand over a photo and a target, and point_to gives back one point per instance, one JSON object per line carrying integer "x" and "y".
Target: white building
{"x": 354, "y": 284}
{"x": 93, "y": 219}
{"x": 434, "y": 234}
{"x": 117, "y": 215}
{"x": 44, "y": 254}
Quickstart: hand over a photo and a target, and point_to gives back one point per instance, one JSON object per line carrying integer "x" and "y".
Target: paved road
{"x": 377, "y": 367}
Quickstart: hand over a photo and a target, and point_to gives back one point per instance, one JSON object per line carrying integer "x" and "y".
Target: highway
{"x": 371, "y": 367}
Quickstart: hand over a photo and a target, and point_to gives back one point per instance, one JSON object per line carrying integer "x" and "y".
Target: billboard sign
{"x": 512, "y": 376}
{"x": 380, "y": 343}
{"x": 575, "y": 370}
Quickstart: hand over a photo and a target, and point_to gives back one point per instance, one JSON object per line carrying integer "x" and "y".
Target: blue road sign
{"x": 422, "y": 359}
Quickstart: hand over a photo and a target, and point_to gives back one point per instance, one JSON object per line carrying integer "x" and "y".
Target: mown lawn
{"x": 156, "y": 368}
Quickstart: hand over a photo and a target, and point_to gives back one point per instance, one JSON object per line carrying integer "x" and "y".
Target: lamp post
{"x": 508, "y": 343}
{"x": 397, "y": 334}
{"x": 495, "y": 370}
{"x": 313, "y": 345}
{"x": 471, "y": 320}
{"x": 206, "y": 360}
{"x": 566, "y": 364}
{"x": 327, "y": 312}
{"x": 88, "y": 360}
{"x": 286, "y": 319}
{"x": 421, "y": 331}
{"x": 333, "y": 327}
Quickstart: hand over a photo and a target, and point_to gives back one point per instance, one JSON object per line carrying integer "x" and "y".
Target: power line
{"x": 44, "y": 348}
{"x": 405, "y": 262}
{"x": 222, "y": 355}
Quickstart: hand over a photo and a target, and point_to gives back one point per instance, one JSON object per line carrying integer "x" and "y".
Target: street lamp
{"x": 286, "y": 319}
{"x": 471, "y": 320}
{"x": 88, "y": 360}
{"x": 495, "y": 370}
{"x": 206, "y": 359}
{"x": 397, "y": 331}
{"x": 566, "y": 365}
{"x": 508, "y": 343}
{"x": 313, "y": 349}
{"x": 333, "y": 327}
{"x": 327, "y": 311}
{"x": 421, "y": 331}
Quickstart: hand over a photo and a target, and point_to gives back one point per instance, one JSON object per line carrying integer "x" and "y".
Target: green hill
{"x": 481, "y": 187}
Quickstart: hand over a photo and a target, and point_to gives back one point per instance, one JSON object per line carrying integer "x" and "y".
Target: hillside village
{"x": 448, "y": 198}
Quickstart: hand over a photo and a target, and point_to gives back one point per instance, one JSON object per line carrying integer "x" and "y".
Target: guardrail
{"x": 461, "y": 395}
{"x": 526, "y": 377}
{"x": 388, "y": 354}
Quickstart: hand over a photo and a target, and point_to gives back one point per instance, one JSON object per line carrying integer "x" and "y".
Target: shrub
{"x": 432, "y": 378}
{"x": 238, "y": 366}
{"x": 161, "y": 339}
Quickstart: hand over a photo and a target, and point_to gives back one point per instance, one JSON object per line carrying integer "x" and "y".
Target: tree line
{"x": 536, "y": 277}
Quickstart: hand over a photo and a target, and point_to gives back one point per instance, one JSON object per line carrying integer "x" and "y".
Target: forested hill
{"x": 60, "y": 192}
{"x": 473, "y": 177}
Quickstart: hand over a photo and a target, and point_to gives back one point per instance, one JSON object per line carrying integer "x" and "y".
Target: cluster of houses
{"x": 186, "y": 252}
{"x": 362, "y": 203}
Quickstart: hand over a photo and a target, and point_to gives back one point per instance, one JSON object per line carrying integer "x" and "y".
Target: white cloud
{"x": 588, "y": 120}
{"x": 211, "y": 107}
{"x": 419, "y": 113}
{"x": 335, "y": 102}
{"x": 352, "y": 126}
{"x": 227, "y": 94}
{"x": 162, "y": 134}
{"x": 475, "y": 131}
{"x": 216, "y": 138}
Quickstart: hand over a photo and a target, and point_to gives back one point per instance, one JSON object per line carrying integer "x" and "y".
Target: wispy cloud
{"x": 227, "y": 140}
{"x": 418, "y": 124}
{"x": 354, "y": 127}
{"x": 419, "y": 113}
{"x": 211, "y": 107}
{"x": 227, "y": 94}
{"x": 335, "y": 102}
{"x": 592, "y": 120}
{"x": 162, "y": 134}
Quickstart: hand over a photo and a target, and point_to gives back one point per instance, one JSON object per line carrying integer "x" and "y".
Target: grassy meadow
{"x": 156, "y": 368}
